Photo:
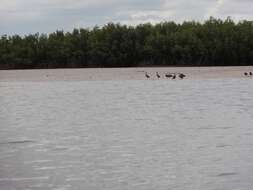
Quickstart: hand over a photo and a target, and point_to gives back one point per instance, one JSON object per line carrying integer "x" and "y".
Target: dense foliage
{"x": 212, "y": 43}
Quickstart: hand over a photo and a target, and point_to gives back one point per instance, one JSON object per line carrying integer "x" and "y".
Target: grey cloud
{"x": 25, "y": 16}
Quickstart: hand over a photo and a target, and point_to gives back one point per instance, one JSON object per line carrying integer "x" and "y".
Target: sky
{"x": 44, "y": 16}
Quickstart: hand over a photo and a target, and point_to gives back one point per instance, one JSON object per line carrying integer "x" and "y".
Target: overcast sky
{"x": 30, "y": 16}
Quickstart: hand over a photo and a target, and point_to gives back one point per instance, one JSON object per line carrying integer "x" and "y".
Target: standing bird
{"x": 157, "y": 74}
{"x": 181, "y": 75}
{"x": 147, "y": 76}
{"x": 250, "y": 73}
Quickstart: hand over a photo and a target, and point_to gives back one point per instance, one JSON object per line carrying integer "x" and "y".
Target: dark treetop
{"x": 212, "y": 43}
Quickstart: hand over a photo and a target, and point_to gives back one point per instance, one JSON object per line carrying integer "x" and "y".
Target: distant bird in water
{"x": 174, "y": 76}
{"x": 250, "y": 73}
{"x": 147, "y": 76}
{"x": 246, "y": 74}
{"x": 168, "y": 75}
{"x": 181, "y": 75}
{"x": 157, "y": 74}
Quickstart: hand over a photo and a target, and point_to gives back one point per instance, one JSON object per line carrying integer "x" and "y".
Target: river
{"x": 132, "y": 134}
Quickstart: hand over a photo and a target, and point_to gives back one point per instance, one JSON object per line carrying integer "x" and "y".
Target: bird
{"x": 250, "y": 73}
{"x": 246, "y": 74}
{"x": 181, "y": 75}
{"x": 147, "y": 76}
{"x": 174, "y": 76}
{"x": 168, "y": 75}
{"x": 157, "y": 74}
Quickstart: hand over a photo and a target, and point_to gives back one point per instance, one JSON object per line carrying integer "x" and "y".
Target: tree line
{"x": 214, "y": 42}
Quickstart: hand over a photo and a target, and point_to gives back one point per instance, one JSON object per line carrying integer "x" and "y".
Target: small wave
{"x": 206, "y": 128}
{"x": 226, "y": 174}
{"x": 37, "y": 161}
{"x": 53, "y": 167}
{"x": 226, "y": 127}
{"x": 25, "y": 179}
{"x": 75, "y": 179}
{"x": 222, "y": 145}
{"x": 18, "y": 142}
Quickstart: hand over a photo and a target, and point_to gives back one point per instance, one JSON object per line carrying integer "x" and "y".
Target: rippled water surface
{"x": 188, "y": 134}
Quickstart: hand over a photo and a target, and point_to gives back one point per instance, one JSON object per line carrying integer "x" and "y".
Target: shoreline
{"x": 127, "y": 73}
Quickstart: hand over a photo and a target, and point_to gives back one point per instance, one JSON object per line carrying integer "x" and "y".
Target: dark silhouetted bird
{"x": 157, "y": 74}
{"x": 147, "y": 76}
{"x": 181, "y": 75}
{"x": 168, "y": 75}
